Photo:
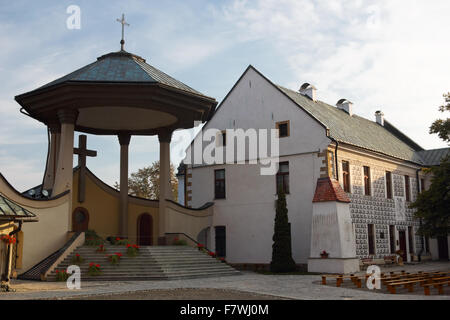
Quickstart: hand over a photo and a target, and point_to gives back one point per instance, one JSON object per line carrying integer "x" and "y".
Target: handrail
{"x": 190, "y": 238}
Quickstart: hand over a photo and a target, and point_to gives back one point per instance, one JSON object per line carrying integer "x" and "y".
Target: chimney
{"x": 345, "y": 105}
{"x": 309, "y": 90}
{"x": 379, "y": 116}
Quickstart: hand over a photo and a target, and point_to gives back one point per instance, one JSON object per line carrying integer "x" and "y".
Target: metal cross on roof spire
{"x": 123, "y": 23}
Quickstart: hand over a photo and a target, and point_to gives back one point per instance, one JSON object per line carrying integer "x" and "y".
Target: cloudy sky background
{"x": 388, "y": 55}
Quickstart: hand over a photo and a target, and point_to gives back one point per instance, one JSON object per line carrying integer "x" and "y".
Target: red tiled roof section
{"x": 329, "y": 190}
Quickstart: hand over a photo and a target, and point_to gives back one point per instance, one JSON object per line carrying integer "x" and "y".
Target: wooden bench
{"x": 339, "y": 278}
{"x": 407, "y": 283}
{"x": 390, "y": 260}
{"x": 438, "y": 285}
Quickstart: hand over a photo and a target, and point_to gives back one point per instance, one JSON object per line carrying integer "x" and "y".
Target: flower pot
{"x": 324, "y": 256}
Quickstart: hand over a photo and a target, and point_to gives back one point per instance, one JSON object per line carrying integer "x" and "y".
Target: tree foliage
{"x": 433, "y": 205}
{"x": 145, "y": 182}
{"x": 281, "y": 249}
{"x": 441, "y": 126}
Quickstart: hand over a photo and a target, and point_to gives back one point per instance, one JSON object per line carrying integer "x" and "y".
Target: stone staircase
{"x": 152, "y": 263}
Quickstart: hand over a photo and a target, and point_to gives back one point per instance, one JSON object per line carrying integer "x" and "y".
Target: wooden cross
{"x": 82, "y": 153}
{"x": 123, "y": 23}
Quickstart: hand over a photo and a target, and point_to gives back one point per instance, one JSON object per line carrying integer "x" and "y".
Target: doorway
{"x": 80, "y": 220}
{"x": 221, "y": 242}
{"x": 402, "y": 239}
{"x": 443, "y": 248}
{"x": 145, "y": 230}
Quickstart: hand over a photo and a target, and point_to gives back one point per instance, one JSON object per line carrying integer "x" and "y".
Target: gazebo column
{"x": 165, "y": 191}
{"x": 52, "y": 161}
{"x": 64, "y": 168}
{"x": 124, "y": 140}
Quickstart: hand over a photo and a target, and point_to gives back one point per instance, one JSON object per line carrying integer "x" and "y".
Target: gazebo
{"x": 119, "y": 94}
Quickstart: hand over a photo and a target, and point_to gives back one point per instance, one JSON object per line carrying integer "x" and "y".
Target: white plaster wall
{"x": 248, "y": 211}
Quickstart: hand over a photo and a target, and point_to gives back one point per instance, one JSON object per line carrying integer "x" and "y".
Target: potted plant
{"x": 212, "y": 254}
{"x": 324, "y": 254}
{"x": 101, "y": 248}
{"x": 200, "y": 247}
{"x": 178, "y": 242}
{"x": 132, "y": 250}
{"x": 94, "y": 269}
{"x": 77, "y": 259}
{"x": 222, "y": 259}
{"x": 114, "y": 258}
{"x": 61, "y": 275}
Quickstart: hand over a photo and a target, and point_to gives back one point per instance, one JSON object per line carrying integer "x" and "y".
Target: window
{"x": 283, "y": 178}
{"x": 392, "y": 238}
{"x": 388, "y": 185}
{"x": 407, "y": 189}
{"x": 367, "y": 181}
{"x": 219, "y": 184}
{"x": 346, "y": 175}
{"x": 422, "y": 185}
{"x": 427, "y": 244}
{"x": 283, "y": 129}
{"x": 371, "y": 239}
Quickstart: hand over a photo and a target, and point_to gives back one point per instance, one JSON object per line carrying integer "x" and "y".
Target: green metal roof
{"x": 355, "y": 130}
{"x": 434, "y": 157}
{"x": 10, "y": 210}
{"x": 122, "y": 67}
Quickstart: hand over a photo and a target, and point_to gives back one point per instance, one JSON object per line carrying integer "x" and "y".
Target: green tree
{"x": 145, "y": 182}
{"x": 281, "y": 249}
{"x": 441, "y": 126}
{"x": 433, "y": 205}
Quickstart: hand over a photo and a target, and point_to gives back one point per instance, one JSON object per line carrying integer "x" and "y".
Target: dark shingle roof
{"x": 433, "y": 157}
{"x": 124, "y": 67}
{"x": 10, "y": 210}
{"x": 354, "y": 129}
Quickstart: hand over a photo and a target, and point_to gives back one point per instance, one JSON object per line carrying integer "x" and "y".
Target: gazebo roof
{"x": 122, "y": 66}
{"x": 119, "y": 93}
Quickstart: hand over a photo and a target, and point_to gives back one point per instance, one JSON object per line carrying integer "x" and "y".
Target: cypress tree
{"x": 281, "y": 249}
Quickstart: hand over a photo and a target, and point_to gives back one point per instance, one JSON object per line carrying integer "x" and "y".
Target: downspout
{"x": 419, "y": 255}
{"x": 335, "y": 155}
{"x": 8, "y": 253}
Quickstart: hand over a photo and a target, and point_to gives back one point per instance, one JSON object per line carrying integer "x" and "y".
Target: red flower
{"x": 97, "y": 266}
{"x": 91, "y": 264}
{"x": 199, "y": 245}
{"x": 128, "y": 245}
{"x": 77, "y": 254}
{"x": 56, "y": 271}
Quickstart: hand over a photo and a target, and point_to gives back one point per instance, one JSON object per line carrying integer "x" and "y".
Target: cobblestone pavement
{"x": 283, "y": 286}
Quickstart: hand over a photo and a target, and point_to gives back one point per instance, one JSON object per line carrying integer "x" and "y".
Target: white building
{"x": 376, "y": 165}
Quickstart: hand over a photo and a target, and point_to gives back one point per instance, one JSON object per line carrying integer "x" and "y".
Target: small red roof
{"x": 328, "y": 189}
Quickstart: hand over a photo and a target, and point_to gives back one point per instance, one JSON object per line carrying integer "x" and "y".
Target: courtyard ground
{"x": 248, "y": 285}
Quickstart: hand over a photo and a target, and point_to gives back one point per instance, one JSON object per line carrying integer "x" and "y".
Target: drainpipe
{"x": 335, "y": 156}
{"x": 8, "y": 253}
{"x": 420, "y": 220}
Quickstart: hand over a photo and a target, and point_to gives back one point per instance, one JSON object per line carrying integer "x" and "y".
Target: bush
{"x": 94, "y": 269}
{"x": 114, "y": 258}
{"x": 77, "y": 259}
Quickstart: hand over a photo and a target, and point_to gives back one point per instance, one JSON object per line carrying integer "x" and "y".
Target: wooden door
{"x": 80, "y": 220}
{"x": 221, "y": 242}
{"x": 402, "y": 239}
{"x": 443, "y": 248}
{"x": 145, "y": 230}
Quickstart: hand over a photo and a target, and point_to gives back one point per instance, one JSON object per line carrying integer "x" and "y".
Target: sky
{"x": 389, "y": 55}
